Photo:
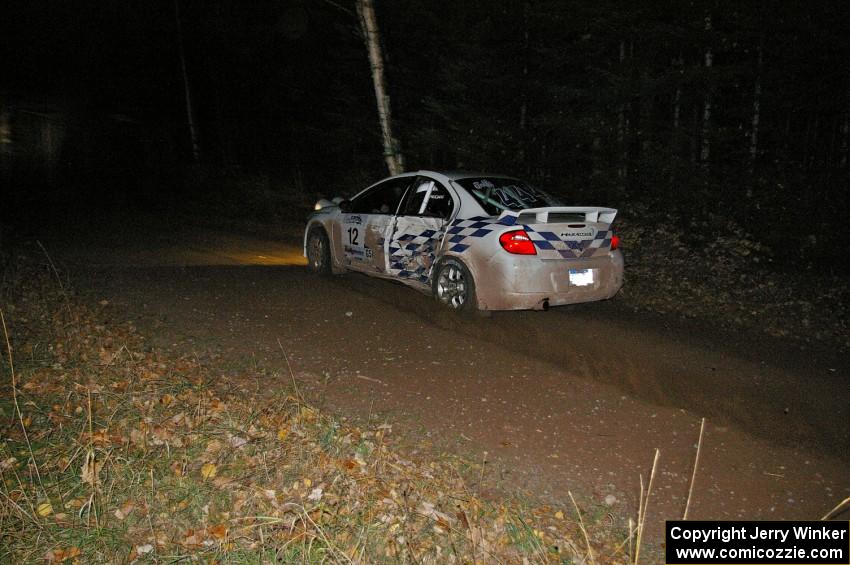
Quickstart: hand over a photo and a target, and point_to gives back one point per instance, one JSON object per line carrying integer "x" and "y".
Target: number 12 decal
{"x": 352, "y": 236}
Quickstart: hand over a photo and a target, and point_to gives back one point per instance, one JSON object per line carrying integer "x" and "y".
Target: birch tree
{"x": 369, "y": 27}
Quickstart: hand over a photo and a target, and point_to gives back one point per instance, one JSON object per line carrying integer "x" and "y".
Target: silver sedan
{"x": 475, "y": 241}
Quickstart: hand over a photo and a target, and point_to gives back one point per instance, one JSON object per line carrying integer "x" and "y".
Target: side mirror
{"x": 345, "y": 206}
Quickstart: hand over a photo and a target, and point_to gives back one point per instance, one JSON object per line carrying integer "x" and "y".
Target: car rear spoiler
{"x": 592, "y": 214}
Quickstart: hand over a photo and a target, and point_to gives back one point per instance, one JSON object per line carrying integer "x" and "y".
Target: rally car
{"x": 475, "y": 241}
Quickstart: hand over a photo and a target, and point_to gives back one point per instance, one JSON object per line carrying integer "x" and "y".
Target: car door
{"x": 364, "y": 228}
{"x": 418, "y": 230}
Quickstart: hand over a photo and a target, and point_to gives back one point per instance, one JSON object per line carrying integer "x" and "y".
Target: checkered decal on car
{"x": 550, "y": 245}
{"x": 463, "y": 230}
{"x": 413, "y": 259}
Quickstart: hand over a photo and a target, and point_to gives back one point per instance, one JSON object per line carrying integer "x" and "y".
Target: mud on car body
{"x": 476, "y": 241}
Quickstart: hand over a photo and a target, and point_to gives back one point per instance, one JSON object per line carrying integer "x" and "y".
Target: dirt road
{"x": 577, "y": 398}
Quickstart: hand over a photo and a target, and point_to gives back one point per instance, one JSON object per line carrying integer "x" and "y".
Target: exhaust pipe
{"x": 543, "y": 305}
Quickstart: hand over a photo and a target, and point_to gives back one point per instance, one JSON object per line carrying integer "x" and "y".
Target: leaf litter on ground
{"x": 126, "y": 453}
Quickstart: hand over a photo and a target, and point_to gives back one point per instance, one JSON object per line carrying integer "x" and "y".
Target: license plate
{"x": 581, "y": 277}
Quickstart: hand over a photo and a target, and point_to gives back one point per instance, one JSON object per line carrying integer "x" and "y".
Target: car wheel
{"x": 454, "y": 286}
{"x": 319, "y": 252}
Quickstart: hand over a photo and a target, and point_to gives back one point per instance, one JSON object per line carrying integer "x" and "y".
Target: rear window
{"x": 499, "y": 194}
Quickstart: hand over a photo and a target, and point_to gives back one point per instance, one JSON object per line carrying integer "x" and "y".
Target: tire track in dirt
{"x": 758, "y": 385}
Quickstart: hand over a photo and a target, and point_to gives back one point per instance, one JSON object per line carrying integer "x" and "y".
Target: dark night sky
{"x": 112, "y": 56}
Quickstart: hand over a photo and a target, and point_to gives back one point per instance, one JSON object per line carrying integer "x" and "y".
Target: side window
{"x": 427, "y": 197}
{"x": 381, "y": 199}
{"x": 416, "y": 196}
{"x": 440, "y": 204}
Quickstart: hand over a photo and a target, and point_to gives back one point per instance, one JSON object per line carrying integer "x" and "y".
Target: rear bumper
{"x": 527, "y": 283}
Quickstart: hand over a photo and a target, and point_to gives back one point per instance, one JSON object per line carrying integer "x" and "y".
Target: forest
{"x": 694, "y": 114}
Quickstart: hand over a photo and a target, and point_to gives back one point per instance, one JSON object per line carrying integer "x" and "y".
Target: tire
{"x": 319, "y": 252}
{"x": 454, "y": 286}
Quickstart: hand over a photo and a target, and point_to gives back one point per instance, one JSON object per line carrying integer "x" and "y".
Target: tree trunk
{"x": 675, "y": 139}
{"x": 523, "y": 109}
{"x": 754, "y": 131}
{"x": 369, "y": 27}
{"x": 694, "y": 136}
{"x": 190, "y": 113}
{"x": 646, "y": 103}
{"x": 622, "y": 130}
{"x": 5, "y": 144}
{"x": 705, "y": 148}
{"x": 677, "y": 107}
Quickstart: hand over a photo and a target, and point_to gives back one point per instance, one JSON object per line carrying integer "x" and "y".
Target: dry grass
{"x": 116, "y": 452}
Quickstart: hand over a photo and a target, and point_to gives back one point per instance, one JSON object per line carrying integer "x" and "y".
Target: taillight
{"x": 615, "y": 242}
{"x": 517, "y": 242}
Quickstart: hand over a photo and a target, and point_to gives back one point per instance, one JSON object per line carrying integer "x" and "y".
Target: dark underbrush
{"x": 725, "y": 276}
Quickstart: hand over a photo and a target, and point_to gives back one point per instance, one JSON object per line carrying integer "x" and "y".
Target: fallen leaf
{"x": 282, "y": 433}
{"x": 559, "y": 515}
{"x": 124, "y": 511}
{"x": 192, "y": 539}
{"x": 100, "y": 437}
{"x": 208, "y": 471}
{"x": 236, "y": 442}
{"x": 427, "y": 509}
{"x": 213, "y": 448}
{"x": 90, "y": 473}
{"x": 137, "y": 437}
{"x": 60, "y": 555}
{"x": 143, "y": 549}
{"x": 218, "y": 531}
{"x": 44, "y": 509}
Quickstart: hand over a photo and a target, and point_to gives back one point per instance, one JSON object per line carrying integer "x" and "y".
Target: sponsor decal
{"x": 579, "y": 233}
{"x": 354, "y": 252}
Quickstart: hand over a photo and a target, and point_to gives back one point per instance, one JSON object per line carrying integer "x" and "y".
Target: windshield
{"x": 499, "y": 194}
